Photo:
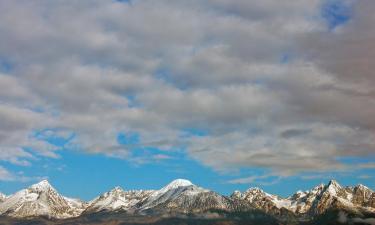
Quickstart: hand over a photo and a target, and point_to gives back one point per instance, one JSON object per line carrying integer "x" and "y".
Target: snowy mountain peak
{"x": 254, "y": 190}
{"x": 117, "y": 189}
{"x": 117, "y": 199}
{"x": 40, "y": 199}
{"x": 236, "y": 194}
{"x": 178, "y": 183}
{"x": 363, "y": 187}
{"x": 175, "y": 193}
{"x": 111, "y": 200}
{"x": 317, "y": 189}
{"x": 42, "y": 186}
{"x": 333, "y": 187}
{"x": 334, "y": 183}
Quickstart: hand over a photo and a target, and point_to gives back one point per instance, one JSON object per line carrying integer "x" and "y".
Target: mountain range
{"x": 182, "y": 197}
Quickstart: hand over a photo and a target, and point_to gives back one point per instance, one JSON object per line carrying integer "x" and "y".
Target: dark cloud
{"x": 294, "y": 133}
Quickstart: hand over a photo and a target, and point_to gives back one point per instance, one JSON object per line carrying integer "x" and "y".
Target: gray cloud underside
{"x": 92, "y": 69}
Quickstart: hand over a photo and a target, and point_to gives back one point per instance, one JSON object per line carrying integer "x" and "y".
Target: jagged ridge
{"x": 182, "y": 196}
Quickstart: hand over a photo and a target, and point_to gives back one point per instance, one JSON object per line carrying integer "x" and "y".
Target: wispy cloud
{"x": 370, "y": 165}
{"x": 365, "y": 177}
{"x": 6, "y": 175}
{"x": 266, "y": 179}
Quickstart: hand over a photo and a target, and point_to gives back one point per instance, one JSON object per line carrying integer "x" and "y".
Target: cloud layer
{"x": 271, "y": 85}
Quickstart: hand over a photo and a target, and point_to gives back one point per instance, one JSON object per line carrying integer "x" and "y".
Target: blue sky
{"x": 336, "y": 13}
{"x": 227, "y": 95}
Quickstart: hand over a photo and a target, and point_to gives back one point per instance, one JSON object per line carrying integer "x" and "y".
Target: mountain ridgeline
{"x": 182, "y": 202}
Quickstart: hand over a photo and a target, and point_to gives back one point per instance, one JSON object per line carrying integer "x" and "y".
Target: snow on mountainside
{"x": 182, "y": 196}
{"x": 2, "y": 197}
{"x": 301, "y": 202}
{"x": 333, "y": 195}
{"x": 40, "y": 199}
{"x": 117, "y": 199}
{"x": 176, "y": 184}
{"x": 314, "y": 202}
{"x": 170, "y": 191}
{"x": 255, "y": 198}
{"x": 178, "y": 196}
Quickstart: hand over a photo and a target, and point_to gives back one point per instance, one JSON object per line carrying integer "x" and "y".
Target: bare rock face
{"x": 364, "y": 196}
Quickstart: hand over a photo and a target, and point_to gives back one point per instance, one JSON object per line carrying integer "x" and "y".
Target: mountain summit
{"x": 40, "y": 199}
{"x": 42, "y": 185}
{"x": 179, "y": 183}
{"x": 117, "y": 200}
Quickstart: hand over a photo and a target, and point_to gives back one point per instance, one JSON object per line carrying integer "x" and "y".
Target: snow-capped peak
{"x": 42, "y": 186}
{"x": 172, "y": 191}
{"x": 117, "y": 189}
{"x": 111, "y": 200}
{"x": 361, "y": 186}
{"x": 117, "y": 199}
{"x": 40, "y": 199}
{"x": 254, "y": 189}
{"x": 178, "y": 183}
{"x": 236, "y": 194}
{"x": 334, "y": 183}
{"x": 333, "y": 187}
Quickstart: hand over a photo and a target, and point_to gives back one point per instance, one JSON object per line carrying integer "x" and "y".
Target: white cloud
{"x": 257, "y": 179}
{"x": 5, "y": 175}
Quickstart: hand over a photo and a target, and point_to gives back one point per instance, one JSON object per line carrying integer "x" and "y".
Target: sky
{"x": 228, "y": 94}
